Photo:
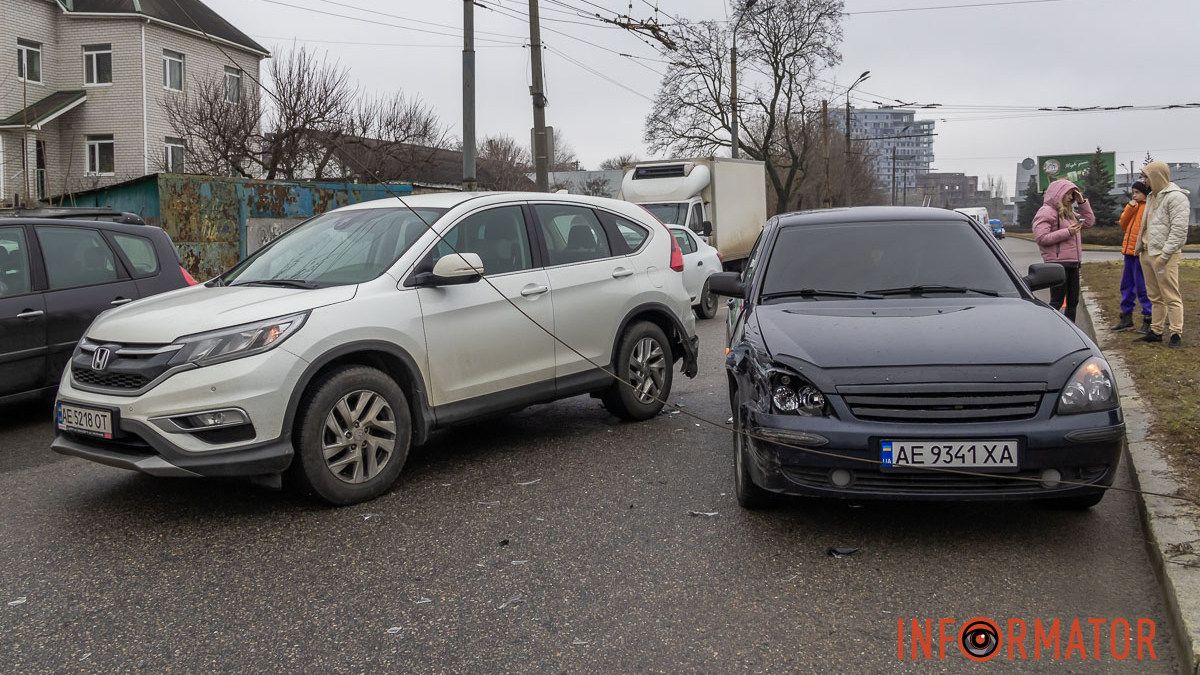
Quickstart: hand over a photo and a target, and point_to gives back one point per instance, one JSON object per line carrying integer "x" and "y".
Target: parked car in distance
{"x": 997, "y": 228}
{"x": 700, "y": 261}
{"x": 895, "y": 353}
{"x": 330, "y": 352}
{"x": 57, "y": 275}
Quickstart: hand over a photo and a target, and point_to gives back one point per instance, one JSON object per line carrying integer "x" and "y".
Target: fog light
{"x": 210, "y": 419}
{"x": 841, "y": 478}
{"x": 1051, "y": 478}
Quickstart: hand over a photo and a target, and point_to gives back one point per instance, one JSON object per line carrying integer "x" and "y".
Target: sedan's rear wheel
{"x": 644, "y": 361}
{"x": 707, "y": 308}
{"x": 353, "y": 438}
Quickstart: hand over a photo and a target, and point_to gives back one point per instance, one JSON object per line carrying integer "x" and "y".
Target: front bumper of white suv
{"x": 158, "y": 426}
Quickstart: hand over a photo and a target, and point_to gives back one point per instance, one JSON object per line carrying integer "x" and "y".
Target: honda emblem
{"x": 100, "y": 358}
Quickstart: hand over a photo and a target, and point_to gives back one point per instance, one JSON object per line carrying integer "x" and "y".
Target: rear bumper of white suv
{"x": 145, "y": 439}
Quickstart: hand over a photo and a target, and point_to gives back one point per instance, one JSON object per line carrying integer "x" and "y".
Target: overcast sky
{"x": 1066, "y": 52}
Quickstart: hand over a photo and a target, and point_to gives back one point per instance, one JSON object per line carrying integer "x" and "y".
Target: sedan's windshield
{"x": 671, "y": 213}
{"x": 340, "y": 247}
{"x": 901, "y": 259}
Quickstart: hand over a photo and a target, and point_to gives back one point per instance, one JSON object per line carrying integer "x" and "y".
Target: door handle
{"x": 121, "y": 301}
{"x": 621, "y": 273}
{"x": 30, "y": 314}
{"x": 699, "y": 263}
{"x": 534, "y": 289}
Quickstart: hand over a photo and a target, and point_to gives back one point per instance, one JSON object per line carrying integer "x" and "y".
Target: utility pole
{"x": 846, "y": 168}
{"x": 893, "y": 175}
{"x": 469, "y": 183}
{"x": 905, "y": 186}
{"x": 825, "y": 198}
{"x": 541, "y": 160}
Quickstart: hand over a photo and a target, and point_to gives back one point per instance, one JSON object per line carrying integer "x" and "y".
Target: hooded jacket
{"x": 1053, "y": 238}
{"x": 1131, "y": 222}
{"x": 1165, "y": 226}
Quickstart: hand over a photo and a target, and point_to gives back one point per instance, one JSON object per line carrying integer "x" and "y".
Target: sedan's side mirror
{"x": 1045, "y": 275}
{"x": 456, "y": 268}
{"x": 727, "y": 284}
{"x": 706, "y": 228}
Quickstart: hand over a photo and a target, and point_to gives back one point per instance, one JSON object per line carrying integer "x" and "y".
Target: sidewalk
{"x": 1172, "y": 526}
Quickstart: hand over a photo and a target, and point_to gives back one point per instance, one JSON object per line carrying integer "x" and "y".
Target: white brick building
{"x": 84, "y": 85}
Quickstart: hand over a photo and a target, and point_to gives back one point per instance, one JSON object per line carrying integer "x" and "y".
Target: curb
{"x": 1172, "y": 527}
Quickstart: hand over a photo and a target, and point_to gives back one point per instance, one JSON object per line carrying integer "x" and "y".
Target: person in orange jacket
{"x": 1133, "y": 284}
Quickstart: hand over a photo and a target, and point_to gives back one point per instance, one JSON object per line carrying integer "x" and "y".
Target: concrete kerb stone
{"x": 1172, "y": 526}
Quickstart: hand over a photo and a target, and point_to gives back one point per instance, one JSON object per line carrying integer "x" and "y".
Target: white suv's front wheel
{"x": 644, "y": 361}
{"x": 354, "y": 436}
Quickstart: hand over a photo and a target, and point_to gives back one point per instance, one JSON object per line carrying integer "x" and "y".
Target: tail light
{"x": 720, "y": 256}
{"x": 187, "y": 277}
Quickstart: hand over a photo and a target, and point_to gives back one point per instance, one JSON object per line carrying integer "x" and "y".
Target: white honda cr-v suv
{"x": 326, "y": 355}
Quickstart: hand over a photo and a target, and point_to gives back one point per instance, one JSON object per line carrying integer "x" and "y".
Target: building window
{"x": 172, "y": 70}
{"x": 101, "y": 156}
{"x": 173, "y": 151}
{"x": 233, "y": 85}
{"x": 97, "y": 64}
{"x": 29, "y": 61}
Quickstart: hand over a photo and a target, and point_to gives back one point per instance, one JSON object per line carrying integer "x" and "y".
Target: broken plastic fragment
{"x": 531, "y": 482}
{"x": 368, "y": 516}
{"x": 841, "y": 551}
{"x": 394, "y": 630}
{"x": 504, "y": 542}
{"x": 511, "y": 602}
{"x": 706, "y": 514}
{"x": 729, "y": 421}
{"x": 423, "y": 601}
{"x": 579, "y": 643}
{"x": 496, "y": 503}
{"x": 519, "y": 562}
{"x": 19, "y": 601}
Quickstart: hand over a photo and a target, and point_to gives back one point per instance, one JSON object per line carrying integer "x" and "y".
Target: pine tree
{"x": 1097, "y": 181}
{"x": 1031, "y": 204}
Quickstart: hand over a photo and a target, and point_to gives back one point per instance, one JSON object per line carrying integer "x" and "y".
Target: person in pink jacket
{"x": 1056, "y": 229}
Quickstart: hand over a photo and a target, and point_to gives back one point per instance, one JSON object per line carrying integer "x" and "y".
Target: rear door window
{"x": 573, "y": 234}
{"x": 14, "y": 262}
{"x": 140, "y": 253}
{"x": 76, "y": 257}
{"x": 625, "y": 235}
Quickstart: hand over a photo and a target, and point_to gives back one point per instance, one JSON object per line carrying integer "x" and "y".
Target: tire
{"x": 1079, "y": 503}
{"x": 361, "y": 415}
{"x": 749, "y": 495}
{"x": 643, "y": 356}
{"x": 707, "y": 308}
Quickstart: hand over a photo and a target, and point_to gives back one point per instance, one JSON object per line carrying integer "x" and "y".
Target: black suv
{"x": 57, "y": 273}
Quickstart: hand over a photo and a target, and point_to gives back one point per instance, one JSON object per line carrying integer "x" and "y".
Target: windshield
{"x": 860, "y": 257}
{"x": 671, "y": 213}
{"x": 340, "y": 247}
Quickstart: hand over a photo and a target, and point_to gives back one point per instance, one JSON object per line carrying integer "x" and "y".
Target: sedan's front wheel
{"x": 749, "y": 494}
{"x": 707, "y": 308}
{"x": 353, "y": 437}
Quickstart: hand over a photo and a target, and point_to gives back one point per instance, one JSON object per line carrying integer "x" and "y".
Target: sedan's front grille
{"x": 918, "y": 482}
{"x": 109, "y": 379}
{"x": 925, "y": 406}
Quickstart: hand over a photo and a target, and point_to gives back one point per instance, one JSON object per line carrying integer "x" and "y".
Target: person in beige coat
{"x": 1160, "y": 245}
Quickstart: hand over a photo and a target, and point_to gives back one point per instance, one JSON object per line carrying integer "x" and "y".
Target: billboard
{"x": 1071, "y": 167}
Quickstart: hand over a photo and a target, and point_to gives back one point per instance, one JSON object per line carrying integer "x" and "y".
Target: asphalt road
{"x": 556, "y": 539}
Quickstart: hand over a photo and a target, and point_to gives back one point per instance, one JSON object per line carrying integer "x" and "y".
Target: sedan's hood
{"x": 164, "y": 318}
{"x": 924, "y": 332}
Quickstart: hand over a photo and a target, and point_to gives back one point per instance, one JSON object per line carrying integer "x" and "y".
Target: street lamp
{"x": 846, "y": 171}
{"x": 733, "y": 95}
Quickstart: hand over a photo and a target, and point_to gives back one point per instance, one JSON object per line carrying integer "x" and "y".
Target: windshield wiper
{"x": 934, "y": 288}
{"x": 819, "y": 293}
{"x": 286, "y": 283}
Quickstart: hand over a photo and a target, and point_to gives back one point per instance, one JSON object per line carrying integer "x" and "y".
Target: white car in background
{"x": 700, "y": 261}
{"x": 329, "y": 353}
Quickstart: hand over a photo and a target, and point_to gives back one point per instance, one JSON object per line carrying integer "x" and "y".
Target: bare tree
{"x": 222, "y": 138}
{"x": 564, "y": 158}
{"x": 619, "y": 161}
{"x": 596, "y": 187}
{"x": 506, "y": 160}
{"x": 781, "y": 50}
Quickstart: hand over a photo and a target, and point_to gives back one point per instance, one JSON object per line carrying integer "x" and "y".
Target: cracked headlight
{"x": 1089, "y": 389}
{"x": 235, "y": 342}
{"x": 793, "y": 395}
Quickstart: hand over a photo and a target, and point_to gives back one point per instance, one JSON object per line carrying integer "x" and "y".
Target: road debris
{"x": 504, "y": 542}
{"x": 840, "y": 551}
{"x": 580, "y": 643}
{"x": 423, "y": 601}
{"x": 1175, "y": 550}
{"x": 706, "y": 514}
{"x": 511, "y": 602}
{"x": 394, "y": 630}
{"x": 530, "y": 482}
{"x": 368, "y": 516}
{"x": 729, "y": 421}
{"x": 519, "y": 562}
{"x": 495, "y": 503}
{"x": 19, "y": 601}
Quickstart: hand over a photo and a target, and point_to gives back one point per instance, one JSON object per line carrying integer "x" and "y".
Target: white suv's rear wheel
{"x": 354, "y": 436}
{"x": 644, "y": 360}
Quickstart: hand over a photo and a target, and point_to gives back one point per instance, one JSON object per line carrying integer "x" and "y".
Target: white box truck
{"x": 720, "y": 198}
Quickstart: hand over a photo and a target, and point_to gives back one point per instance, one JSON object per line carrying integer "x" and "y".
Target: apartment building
{"x": 893, "y": 132}
{"x": 84, "y": 90}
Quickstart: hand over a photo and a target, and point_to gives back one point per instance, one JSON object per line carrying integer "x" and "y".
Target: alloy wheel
{"x": 647, "y": 368}
{"x": 359, "y": 436}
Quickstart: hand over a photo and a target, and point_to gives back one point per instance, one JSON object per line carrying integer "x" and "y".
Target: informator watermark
{"x": 1106, "y": 639}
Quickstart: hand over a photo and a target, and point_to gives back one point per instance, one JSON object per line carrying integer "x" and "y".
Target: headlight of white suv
{"x": 1089, "y": 389}
{"x": 227, "y": 344}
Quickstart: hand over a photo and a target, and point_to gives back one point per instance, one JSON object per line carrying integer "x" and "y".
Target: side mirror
{"x": 456, "y": 268}
{"x": 706, "y": 228}
{"x": 1045, "y": 275}
{"x": 727, "y": 284}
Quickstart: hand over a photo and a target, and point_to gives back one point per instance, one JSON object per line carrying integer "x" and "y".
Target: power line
{"x": 372, "y": 21}
{"x": 379, "y": 44}
{"x": 963, "y": 6}
{"x": 602, "y": 75}
{"x": 412, "y": 20}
